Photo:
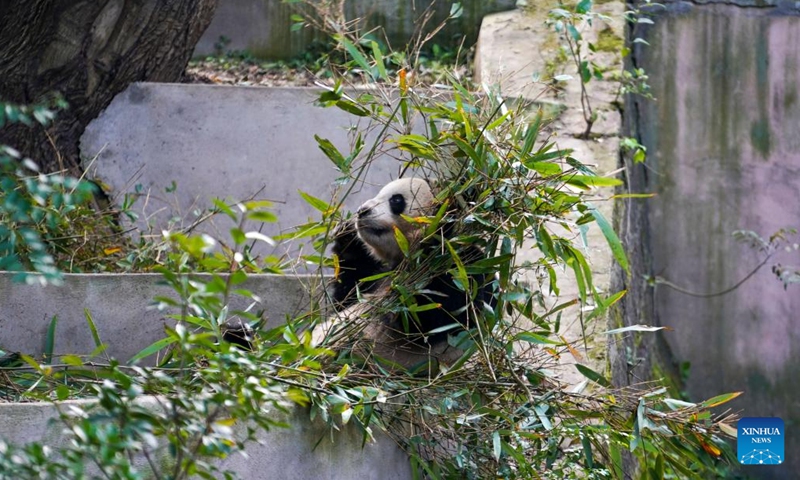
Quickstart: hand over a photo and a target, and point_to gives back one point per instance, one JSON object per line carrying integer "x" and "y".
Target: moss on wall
{"x": 608, "y": 41}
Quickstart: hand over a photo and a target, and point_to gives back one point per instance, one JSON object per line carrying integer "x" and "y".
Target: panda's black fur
{"x": 354, "y": 263}
{"x": 366, "y": 247}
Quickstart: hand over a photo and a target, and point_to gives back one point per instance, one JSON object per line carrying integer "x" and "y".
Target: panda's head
{"x": 377, "y": 217}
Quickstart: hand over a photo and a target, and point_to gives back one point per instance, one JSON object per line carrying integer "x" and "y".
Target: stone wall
{"x": 724, "y": 155}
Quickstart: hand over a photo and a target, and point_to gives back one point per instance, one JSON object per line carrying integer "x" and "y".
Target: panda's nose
{"x": 364, "y": 211}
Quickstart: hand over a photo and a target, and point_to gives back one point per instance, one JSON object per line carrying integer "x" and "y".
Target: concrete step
{"x": 234, "y": 143}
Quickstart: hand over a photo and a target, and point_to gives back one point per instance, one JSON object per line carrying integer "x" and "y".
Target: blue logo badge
{"x": 760, "y": 441}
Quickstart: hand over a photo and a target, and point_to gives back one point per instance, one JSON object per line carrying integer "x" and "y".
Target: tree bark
{"x": 88, "y": 51}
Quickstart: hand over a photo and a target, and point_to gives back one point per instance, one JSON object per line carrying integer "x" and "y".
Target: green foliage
{"x": 318, "y": 63}
{"x": 634, "y": 148}
{"x": 504, "y": 188}
{"x": 571, "y": 23}
{"x": 34, "y": 207}
{"x": 172, "y": 420}
{"x": 568, "y": 23}
{"x": 48, "y": 224}
{"x": 125, "y": 433}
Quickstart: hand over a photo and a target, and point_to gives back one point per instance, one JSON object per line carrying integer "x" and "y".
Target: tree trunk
{"x": 88, "y": 51}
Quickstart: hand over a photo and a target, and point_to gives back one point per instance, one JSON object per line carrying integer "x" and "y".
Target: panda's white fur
{"x": 376, "y": 218}
{"x": 375, "y": 223}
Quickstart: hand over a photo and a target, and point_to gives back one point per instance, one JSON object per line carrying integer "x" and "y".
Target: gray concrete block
{"x": 121, "y": 307}
{"x": 227, "y": 142}
{"x": 306, "y": 450}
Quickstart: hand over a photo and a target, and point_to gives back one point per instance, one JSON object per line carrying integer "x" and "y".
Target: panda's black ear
{"x": 355, "y": 263}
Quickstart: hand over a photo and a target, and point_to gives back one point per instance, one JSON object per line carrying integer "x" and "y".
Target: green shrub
{"x": 34, "y": 207}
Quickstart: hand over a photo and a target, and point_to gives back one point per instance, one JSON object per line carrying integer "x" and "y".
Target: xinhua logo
{"x": 760, "y": 441}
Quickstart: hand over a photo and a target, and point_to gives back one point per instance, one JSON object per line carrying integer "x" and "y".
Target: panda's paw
{"x": 345, "y": 238}
{"x": 353, "y": 263}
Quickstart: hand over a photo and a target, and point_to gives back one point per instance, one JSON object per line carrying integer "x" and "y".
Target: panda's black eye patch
{"x": 397, "y": 204}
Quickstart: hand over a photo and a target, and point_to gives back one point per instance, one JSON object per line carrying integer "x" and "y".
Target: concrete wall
{"x": 262, "y": 27}
{"x": 228, "y": 142}
{"x": 121, "y": 307}
{"x": 286, "y": 453}
{"x": 724, "y": 155}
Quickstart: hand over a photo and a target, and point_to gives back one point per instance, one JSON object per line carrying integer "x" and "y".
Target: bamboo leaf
{"x": 72, "y": 360}
{"x": 33, "y": 363}
{"x": 531, "y": 337}
{"x": 584, "y": 181}
{"x": 379, "y": 64}
{"x": 50, "y": 340}
{"x": 603, "y": 305}
{"x": 424, "y": 308}
{"x": 545, "y": 169}
{"x": 720, "y": 399}
{"x": 356, "y": 54}
{"x": 401, "y": 239}
{"x": 587, "y": 451}
{"x": 592, "y": 375}
{"x": 330, "y": 151}
{"x": 224, "y": 208}
{"x": 434, "y": 224}
{"x": 153, "y": 348}
{"x": 496, "y": 446}
{"x": 728, "y": 430}
{"x": 462, "y": 272}
{"x": 467, "y": 149}
{"x": 531, "y": 133}
{"x": 262, "y": 216}
{"x": 635, "y": 328}
{"x": 613, "y": 240}
{"x": 352, "y": 107}
{"x": 92, "y": 328}
{"x": 315, "y": 202}
{"x": 616, "y": 459}
{"x": 633, "y": 195}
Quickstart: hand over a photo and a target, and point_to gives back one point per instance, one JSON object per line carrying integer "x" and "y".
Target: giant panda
{"x": 367, "y": 246}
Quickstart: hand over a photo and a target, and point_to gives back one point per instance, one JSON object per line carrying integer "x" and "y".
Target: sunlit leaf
{"x": 590, "y": 181}
{"x": 496, "y": 447}
{"x": 720, "y": 399}
{"x": 634, "y": 328}
{"x": 401, "y": 240}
